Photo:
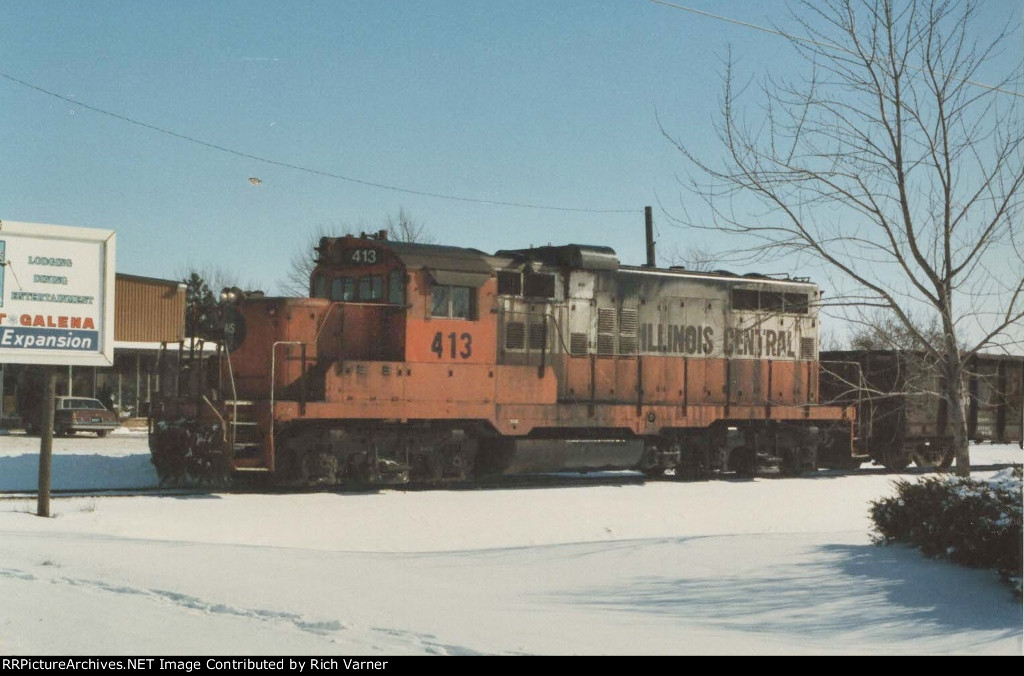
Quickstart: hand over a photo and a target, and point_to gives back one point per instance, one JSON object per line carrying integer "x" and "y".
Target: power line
{"x": 297, "y": 167}
{"x": 745, "y": 24}
{"x": 827, "y": 45}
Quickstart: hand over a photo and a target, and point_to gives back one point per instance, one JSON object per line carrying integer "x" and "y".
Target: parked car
{"x": 82, "y": 414}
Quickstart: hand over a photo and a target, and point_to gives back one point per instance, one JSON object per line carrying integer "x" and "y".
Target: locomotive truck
{"x": 413, "y": 362}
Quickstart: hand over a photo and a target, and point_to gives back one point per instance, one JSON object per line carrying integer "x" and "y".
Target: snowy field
{"x": 756, "y": 567}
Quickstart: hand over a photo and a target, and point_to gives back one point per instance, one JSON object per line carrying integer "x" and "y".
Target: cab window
{"x": 396, "y": 287}
{"x": 343, "y": 288}
{"x": 371, "y": 287}
{"x": 460, "y": 302}
{"x": 319, "y": 287}
{"x": 440, "y": 300}
{"x": 457, "y": 302}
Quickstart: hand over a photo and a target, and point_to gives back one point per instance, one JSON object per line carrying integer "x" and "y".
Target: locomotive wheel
{"x": 451, "y": 460}
{"x": 459, "y": 462}
{"x": 694, "y": 465}
{"x": 799, "y": 460}
{"x": 319, "y": 469}
{"x": 895, "y": 459}
{"x": 743, "y": 461}
{"x": 206, "y": 461}
{"x": 168, "y": 457}
{"x": 428, "y": 468}
{"x": 929, "y": 457}
{"x": 850, "y": 464}
{"x": 185, "y": 451}
{"x": 649, "y": 464}
{"x": 790, "y": 465}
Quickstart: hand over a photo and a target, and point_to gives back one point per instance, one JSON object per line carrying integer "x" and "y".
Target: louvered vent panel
{"x": 537, "y": 334}
{"x": 628, "y": 322}
{"x": 515, "y": 336}
{"x": 606, "y": 320}
{"x": 605, "y": 344}
{"x": 807, "y": 348}
{"x": 578, "y": 343}
{"x": 627, "y": 331}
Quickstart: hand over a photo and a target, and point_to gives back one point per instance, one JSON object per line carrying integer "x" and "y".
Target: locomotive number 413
{"x": 363, "y": 256}
{"x": 456, "y": 345}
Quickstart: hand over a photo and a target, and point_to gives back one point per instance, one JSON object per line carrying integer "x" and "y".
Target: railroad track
{"x": 566, "y": 480}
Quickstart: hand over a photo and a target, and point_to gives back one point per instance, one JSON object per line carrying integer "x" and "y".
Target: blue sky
{"x": 527, "y": 101}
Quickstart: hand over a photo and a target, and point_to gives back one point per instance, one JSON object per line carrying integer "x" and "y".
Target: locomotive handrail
{"x": 177, "y": 368}
{"x": 223, "y": 425}
{"x": 546, "y": 315}
{"x": 273, "y": 373}
{"x": 558, "y": 332}
{"x": 340, "y": 303}
{"x": 334, "y": 304}
{"x": 160, "y": 362}
{"x": 234, "y": 399}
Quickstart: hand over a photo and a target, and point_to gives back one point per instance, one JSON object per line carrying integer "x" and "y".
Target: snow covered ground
{"x": 757, "y": 567}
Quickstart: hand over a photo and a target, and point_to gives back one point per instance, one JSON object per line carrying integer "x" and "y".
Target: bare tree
{"x": 296, "y": 282}
{"x": 697, "y": 258}
{"x": 890, "y": 164}
{"x": 882, "y": 330}
{"x": 399, "y": 228}
{"x": 402, "y": 228}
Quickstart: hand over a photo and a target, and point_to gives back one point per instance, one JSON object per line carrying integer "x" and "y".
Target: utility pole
{"x": 46, "y": 442}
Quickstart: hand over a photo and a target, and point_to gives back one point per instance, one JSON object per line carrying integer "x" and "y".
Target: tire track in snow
{"x": 189, "y": 602}
{"x": 16, "y": 574}
{"x": 426, "y": 642}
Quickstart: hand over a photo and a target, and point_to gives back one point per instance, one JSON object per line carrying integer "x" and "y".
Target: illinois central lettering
{"x": 758, "y": 343}
{"x": 677, "y": 338}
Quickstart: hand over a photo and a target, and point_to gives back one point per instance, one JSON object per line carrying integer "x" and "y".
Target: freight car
{"x": 901, "y": 417}
{"x": 429, "y": 363}
{"x": 996, "y": 405}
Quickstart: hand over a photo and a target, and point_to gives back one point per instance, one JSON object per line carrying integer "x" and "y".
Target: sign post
{"x": 56, "y": 308}
{"x": 46, "y": 443}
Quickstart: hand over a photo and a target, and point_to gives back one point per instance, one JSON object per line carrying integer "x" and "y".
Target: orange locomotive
{"x": 418, "y": 362}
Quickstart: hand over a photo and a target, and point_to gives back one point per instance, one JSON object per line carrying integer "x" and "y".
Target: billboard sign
{"x": 56, "y": 295}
